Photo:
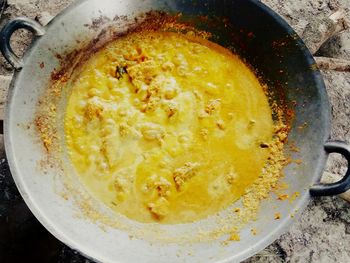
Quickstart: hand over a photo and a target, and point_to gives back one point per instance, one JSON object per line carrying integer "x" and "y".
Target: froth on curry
{"x": 169, "y": 128}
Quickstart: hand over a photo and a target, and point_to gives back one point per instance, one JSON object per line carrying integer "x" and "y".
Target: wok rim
{"x": 69, "y": 240}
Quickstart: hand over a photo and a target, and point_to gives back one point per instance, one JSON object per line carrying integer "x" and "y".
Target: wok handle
{"x": 8, "y": 30}
{"x": 342, "y": 185}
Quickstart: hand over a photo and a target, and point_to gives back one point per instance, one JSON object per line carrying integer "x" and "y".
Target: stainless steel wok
{"x": 259, "y": 35}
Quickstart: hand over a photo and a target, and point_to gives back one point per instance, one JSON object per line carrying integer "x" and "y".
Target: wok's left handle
{"x": 8, "y": 30}
{"x": 342, "y": 185}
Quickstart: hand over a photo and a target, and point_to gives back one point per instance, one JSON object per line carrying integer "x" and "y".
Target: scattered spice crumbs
{"x": 282, "y": 186}
{"x": 298, "y": 161}
{"x": 282, "y": 197}
{"x": 294, "y": 148}
{"x": 235, "y": 237}
{"x": 294, "y": 196}
{"x": 277, "y": 216}
{"x": 303, "y": 126}
{"x": 254, "y": 231}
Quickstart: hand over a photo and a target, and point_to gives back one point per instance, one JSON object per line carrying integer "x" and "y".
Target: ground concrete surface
{"x": 322, "y": 234}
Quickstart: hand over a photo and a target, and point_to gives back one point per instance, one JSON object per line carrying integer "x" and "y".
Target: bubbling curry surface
{"x": 164, "y": 127}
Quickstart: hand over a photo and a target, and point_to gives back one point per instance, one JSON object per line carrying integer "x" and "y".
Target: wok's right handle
{"x": 8, "y": 30}
{"x": 342, "y": 185}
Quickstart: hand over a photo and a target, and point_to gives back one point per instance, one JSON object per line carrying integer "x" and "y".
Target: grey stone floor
{"x": 322, "y": 234}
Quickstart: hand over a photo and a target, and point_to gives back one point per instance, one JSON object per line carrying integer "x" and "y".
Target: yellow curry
{"x": 164, "y": 127}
